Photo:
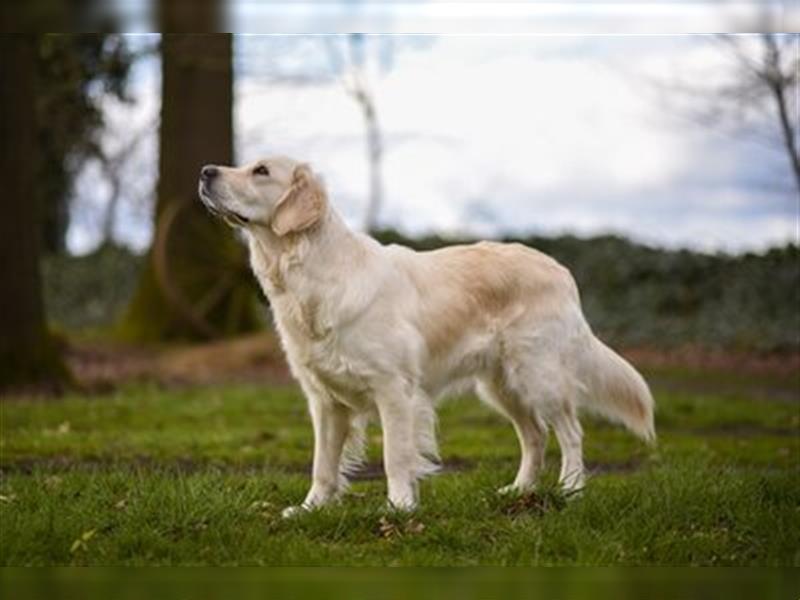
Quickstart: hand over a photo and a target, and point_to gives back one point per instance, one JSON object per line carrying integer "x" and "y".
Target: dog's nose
{"x": 208, "y": 172}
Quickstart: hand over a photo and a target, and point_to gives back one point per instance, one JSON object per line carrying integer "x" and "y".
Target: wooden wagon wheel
{"x": 191, "y": 250}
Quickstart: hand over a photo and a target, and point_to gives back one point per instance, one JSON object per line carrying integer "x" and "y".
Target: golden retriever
{"x": 370, "y": 328}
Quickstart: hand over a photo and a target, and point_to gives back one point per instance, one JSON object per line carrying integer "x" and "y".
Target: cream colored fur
{"x": 384, "y": 329}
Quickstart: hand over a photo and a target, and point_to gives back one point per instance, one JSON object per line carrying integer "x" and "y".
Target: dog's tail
{"x": 615, "y": 390}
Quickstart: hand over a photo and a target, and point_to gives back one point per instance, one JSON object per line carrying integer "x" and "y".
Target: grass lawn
{"x": 153, "y": 476}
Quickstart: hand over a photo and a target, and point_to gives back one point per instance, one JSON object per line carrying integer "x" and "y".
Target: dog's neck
{"x": 304, "y": 263}
{"x": 302, "y": 274}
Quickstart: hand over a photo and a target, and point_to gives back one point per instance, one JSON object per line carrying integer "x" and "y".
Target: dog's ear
{"x": 301, "y": 206}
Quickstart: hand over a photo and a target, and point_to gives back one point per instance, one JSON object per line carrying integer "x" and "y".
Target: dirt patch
{"x": 723, "y": 429}
{"x": 374, "y": 469}
{"x": 627, "y": 466}
{"x": 99, "y": 367}
{"x": 188, "y": 465}
{"x": 705, "y": 359}
{"x": 536, "y": 503}
{"x": 740, "y": 430}
{"x": 696, "y": 384}
{"x": 256, "y": 358}
{"x": 26, "y": 466}
{"x": 259, "y": 356}
{"x": 371, "y": 471}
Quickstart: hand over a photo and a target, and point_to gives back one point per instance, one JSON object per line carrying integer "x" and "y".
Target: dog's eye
{"x": 261, "y": 170}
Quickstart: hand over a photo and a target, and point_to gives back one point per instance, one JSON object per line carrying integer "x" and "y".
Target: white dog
{"x": 367, "y": 327}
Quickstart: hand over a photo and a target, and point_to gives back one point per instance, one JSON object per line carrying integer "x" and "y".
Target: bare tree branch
{"x": 758, "y": 86}
{"x": 778, "y": 83}
{"x": 355, "y": 84}
{"x": 113, "y": 166}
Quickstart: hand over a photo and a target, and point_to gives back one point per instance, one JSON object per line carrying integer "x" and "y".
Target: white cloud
{"x": 494, "y": 134}
{"x": 490, "y": 134}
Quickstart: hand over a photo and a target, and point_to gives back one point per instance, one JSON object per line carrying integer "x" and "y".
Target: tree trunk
{"x": 778, "y": 84}
{"x": 374, "y": 154}
{"x": 787, "y": 132}
{"x": 195, "y": 282}
{"x": 28, "y": 355}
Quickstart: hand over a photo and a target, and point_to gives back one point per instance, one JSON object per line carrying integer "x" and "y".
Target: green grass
{"x": 153, "y": 476}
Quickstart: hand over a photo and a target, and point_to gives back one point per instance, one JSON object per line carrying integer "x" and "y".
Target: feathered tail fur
{"x": 615, "y": 390}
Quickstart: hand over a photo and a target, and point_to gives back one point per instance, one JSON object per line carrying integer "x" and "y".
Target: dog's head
{"x": 277, "y": 192}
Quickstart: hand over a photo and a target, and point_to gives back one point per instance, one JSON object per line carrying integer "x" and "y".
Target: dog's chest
{"x": 342, "y": 376}
{"x": 316, "y": 350}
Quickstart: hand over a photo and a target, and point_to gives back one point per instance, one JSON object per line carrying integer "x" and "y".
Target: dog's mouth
{"x": 232, "y": 218}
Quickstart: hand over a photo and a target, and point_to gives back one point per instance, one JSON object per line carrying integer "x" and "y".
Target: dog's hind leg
{"x": 540, "y": 368}
{"x": 570, "y": 438}
{"x": 354, "y": 449}
{"x": 531, "y": 430}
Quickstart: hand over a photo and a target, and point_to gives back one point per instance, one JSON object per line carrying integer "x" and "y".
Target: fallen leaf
{"x": 81, "y": 542}
{"x": 52, "y": 481}
{"x": 415, "y": 526}
{"x": 87, "y": 535}
{"x": 387, "y": 529}
{"x": 61, "y": 429}
{"x": 200, "y": 526}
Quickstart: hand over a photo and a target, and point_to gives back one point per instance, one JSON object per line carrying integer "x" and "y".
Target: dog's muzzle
{"x": 214, "y": 207}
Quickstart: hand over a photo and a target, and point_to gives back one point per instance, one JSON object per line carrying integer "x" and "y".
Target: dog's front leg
{"x": 396, "y": 411}
{"x": 331, "y": 422}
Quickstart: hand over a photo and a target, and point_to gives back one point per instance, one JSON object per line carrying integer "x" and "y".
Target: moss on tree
{"x": 194, "y": 283}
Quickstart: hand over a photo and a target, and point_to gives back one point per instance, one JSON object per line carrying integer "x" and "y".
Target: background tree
{"x": 349, "y": 59}
{"x": 752, "y": 95}
{"x": 770, "y": 76}
{"x": 74, "y": 73}
{"x": 28, "y": 354}
{"x": 116, "y": 165}
{"x": 195, "y": 282}
{"x": 356, "y": 62}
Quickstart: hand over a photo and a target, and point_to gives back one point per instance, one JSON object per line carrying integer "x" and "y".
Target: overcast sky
{"x": 491, "y": 135}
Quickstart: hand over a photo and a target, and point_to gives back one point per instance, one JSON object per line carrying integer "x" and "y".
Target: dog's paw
{"x": 572, "y": 492}
{"x": 508, "y": 490}
{"x": 293, "y": 511}
{"x": 401, "y": 506}
{"x": 514, "y": 490}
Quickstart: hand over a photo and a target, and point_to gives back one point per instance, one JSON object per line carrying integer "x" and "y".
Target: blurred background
{"x": 663, "y": 170}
